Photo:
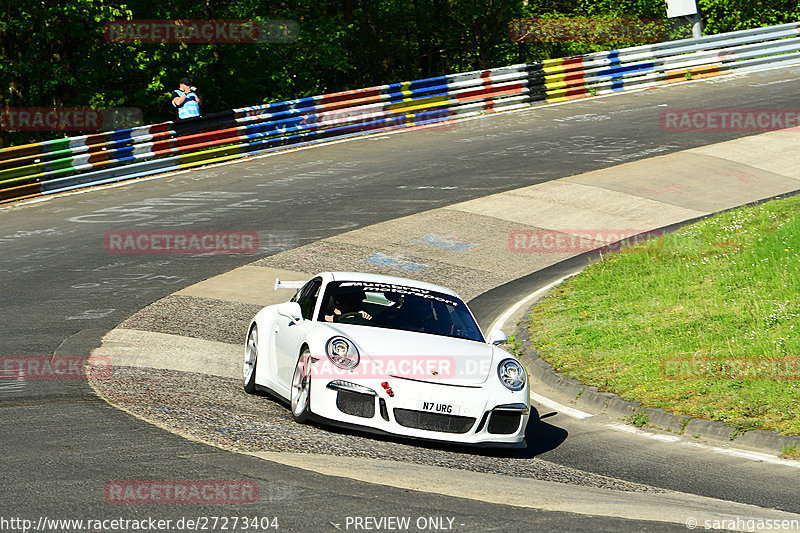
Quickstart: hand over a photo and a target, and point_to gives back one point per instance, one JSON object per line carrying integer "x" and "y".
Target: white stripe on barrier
{"x": 382, "y": 107}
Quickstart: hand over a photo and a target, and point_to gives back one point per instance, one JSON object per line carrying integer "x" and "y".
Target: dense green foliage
{"x": 53, "y": 53}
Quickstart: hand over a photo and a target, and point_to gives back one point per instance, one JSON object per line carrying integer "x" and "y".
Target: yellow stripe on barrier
{"x": 22, "y": 175}
{"x": 212, "y": 155}
{"x": 26, "y": 171}
{"x": 552, "y": 63}
{"x": 558, "y": 87}
{"x": 701, "y": 71}
{"x": 405, "y": 88}
{"x": 554, "y": 76}
{"x": 560, "y": 95}
{"x": 209, "y": 161}
{"x": 419, "y": 103}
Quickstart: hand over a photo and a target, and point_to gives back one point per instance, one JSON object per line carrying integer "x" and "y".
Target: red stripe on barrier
{"x": 160, "y": 146}
{"x": 96, "y": 157}
{"x": 575, "y": 79}
{"x": 348, "y": 103}
{"x": 97, "y": 138}
{"x": 348, "y": 95}
{"x": 486, "y": 76}
{"x": 21, "y": 191}
{"x": 19, "y": 152}
{"x": 189, "y": 140}
{"x": 573, "y": 62}
{"x": 159, "y": 128}
{"x": 166, "y": 151}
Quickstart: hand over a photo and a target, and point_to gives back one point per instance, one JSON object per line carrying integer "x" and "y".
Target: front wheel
{"x": 250, "y": 359}
{"x": 301, "y": 388}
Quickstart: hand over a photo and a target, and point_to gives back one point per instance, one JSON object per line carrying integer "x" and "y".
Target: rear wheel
{"x": 250, "y": 359}
{"x": 301, "y": 388}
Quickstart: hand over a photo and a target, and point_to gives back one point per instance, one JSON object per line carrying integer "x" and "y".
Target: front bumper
{"x": 486, "y": 415}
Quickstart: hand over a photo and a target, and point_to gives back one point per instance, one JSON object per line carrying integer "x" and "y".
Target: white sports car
{"x": 387, "y": 355}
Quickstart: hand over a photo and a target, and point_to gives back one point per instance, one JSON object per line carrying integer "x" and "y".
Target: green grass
{"x": 640, "y": 419}
{"x": 791, "y": 452}
{"x": 684, "y": 322}
{"x": 514, "y": 346}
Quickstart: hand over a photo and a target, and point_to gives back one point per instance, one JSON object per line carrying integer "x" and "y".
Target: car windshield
{"x": 401, "y": 307}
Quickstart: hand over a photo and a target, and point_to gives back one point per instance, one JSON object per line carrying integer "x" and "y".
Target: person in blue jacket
{"x": 186, "y": 100}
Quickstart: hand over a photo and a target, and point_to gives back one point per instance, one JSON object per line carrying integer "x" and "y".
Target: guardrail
{"x": 55, "y": 166}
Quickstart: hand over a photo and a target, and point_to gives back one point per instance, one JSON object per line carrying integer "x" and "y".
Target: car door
{"x": 289, "y": 335}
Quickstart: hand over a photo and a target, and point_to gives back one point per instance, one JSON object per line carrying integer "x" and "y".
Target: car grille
{"x": 433, "y": 421}
{"x": 504, "y": 422}
{"x": 356, "y": 404}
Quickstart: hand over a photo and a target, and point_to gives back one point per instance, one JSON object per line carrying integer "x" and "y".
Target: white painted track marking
{"x": 636, "y": 431}
{"x": 563, "y": 409}
{"x": 500, "y": 322}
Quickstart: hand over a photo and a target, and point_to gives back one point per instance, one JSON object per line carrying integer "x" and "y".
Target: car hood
{"x": 420, "y": 356}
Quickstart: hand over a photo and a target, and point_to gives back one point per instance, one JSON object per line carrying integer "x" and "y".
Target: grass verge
{"x": 704, "y": 321}
{"x": 791, "y": 452}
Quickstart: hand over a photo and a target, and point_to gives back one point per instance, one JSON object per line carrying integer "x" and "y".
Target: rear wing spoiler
{"x": 289, "y": 284}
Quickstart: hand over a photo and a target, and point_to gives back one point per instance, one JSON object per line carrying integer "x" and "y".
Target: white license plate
{"x": 438, "y": 407}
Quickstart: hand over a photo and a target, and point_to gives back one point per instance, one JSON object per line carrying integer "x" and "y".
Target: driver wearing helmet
{"x": 348, "y": 303}
{"x": 418, "y": 315}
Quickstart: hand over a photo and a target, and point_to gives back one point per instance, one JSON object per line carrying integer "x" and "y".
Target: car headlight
{"x": 511, "y": 374}
{"x": 342, "y": 353}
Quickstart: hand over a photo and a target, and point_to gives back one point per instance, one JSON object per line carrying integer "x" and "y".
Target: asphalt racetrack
{"x": 62, "y": 291}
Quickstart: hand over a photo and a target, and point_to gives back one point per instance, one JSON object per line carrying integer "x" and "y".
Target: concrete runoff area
{"x": 672, "y": 507}
{"x": 149, "y": 349}
{"x": 569, "y": 206}
{"x": 467, "y": 247}
{"x": 247, "y": 284}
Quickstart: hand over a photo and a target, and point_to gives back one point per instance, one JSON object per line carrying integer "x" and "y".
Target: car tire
{"x": 250, "y": 360}
{"x": 301, "y": 388}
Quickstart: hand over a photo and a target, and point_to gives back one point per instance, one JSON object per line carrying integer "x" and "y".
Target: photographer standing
{"x": 186, "y": 100}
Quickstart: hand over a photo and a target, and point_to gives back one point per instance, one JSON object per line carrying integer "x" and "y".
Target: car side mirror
{"x": 497, "y": 337}
{"x": 292, "y": 311}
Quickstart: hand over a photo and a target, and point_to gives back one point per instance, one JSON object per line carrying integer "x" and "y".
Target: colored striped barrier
{"x": 64, "y": 164}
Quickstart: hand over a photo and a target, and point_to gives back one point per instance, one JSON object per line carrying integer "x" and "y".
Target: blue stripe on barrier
{"x": 438, "y": 81}
{"x": 283, "y": 123}
{"x": 617, "y": 71}
{"x": 627, "y": 69}
{"x": 617, "y": 84}
{"x": 123, "y": 153}
{"x": 120, "y": 136}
